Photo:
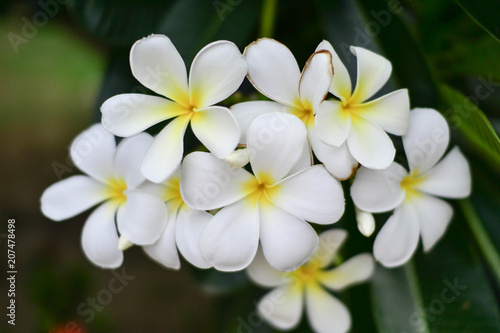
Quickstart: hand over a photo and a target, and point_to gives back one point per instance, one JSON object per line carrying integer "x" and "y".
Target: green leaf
{"x": 485, "y": 13}
{"x": 465, "y": 116}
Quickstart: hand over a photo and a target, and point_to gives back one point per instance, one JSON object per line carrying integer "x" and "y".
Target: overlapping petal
{"x": 369, "y": 144}
{"x": 217, "y": 129}
{"x": 164, "y": 250}
{"x": 378, "y": 191}
{"x": 450, "y": 178}
{"x": 128, "y": 158}
{"x": 338, "y": 161}
{"x": 329, "y": 243}
{"x": 341, "y": 82}
{"x": 230, "y": 240}
{"x": 92, "y": 152}
{"x": 209, "y": 183}
{"x": 165, "y": 154}
{"x": 312, "y": 194}
{"x": 373, "y": 72}
{"x": 287, "y": 241}
{"x": 264, "y": 274}
{"x": 398, "y": 239}
{"x": 326, "y": 313}
{"x": 426, "y": 140}
{"x": 216, "y": 73}
{"x": 128, "y": 114}
{"x": 391, "y": 112}
{"x": 316, "y": 78}
{"x": 156, "y": 64}
{"x": 142, "y": 217}
{"x": 99, "y": 237}
{"x": 333, "y": 123}
{"x": 189, "y": 227}
{"x": 355, "y": 270}
{"x": 434, "y": 215}
{"x": 273, "y": 70}
{"x": 72, "y": 196}
{"x": 246, "y": 112}
{"x": 282, "y": 307}
{"x": 272, "y": 142}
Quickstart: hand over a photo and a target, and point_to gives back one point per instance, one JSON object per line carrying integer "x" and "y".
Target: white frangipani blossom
{"x": 273, "y": 71}
{"x": 183, "y": 227}
{"x": 357, "y": 124}
{"x": 414, "y": 195}
{"x": 113, "y": 179}
{"x": 283, "y": 306}
{"x": 271, "y": 206}
{"x": 216, "y": 72}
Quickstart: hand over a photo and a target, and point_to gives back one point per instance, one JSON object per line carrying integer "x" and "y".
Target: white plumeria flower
{"x": 113, "y": 179}
{"x": 357, "y": 124}
{"x": 283, "y": 306}
{"x": 271, "y": 206}
{"x": 273, "y": 71}
{"x": 413, "y": 195}
{"x": 183, "y": 228}
{"x": 216, "y": 72}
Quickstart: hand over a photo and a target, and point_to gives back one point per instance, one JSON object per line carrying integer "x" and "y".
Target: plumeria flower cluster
{"x": 252, "y": 198}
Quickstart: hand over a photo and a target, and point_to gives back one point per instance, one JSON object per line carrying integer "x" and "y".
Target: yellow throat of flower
{"x": 116, "y": 188}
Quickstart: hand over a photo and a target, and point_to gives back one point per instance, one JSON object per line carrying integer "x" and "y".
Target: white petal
{"x": 356, "y": 270}
{"x": 275, "y": 143}
{"x": 338, "y": 161}
{"x": 370, "y": 145}
{"x": 333, "y": 123}
{"x": 287, "y": 241}
{"x": 312, "y": 194}
{"x": 156, "y": 63}
{"x": 217, "y": 129}
{"x": 373, "y": 72}
{"x": 190, "y": 225}
{"x": 273, "y": 70}
{"x": 305, "y": 160}
{"x": 341, "y": 82}
{"x": 164, "y": 250}
{"x": 316, "y": 78}
{"x": 378, "y": 191}
{"x": 142, "y": 217}
{"x": 100, "y": 239}
{"x": 230, "y": 240}
{"x": 165, "y": 154}
{"x": 329, "y": 243}
{"x": 325, "y": 312}
{"x": 426, "y": 140}
{"x": 246, "y": 112}
{"x": 210, "y": 183}
{"x": 264, "y": 274}
{"x": 398, "y": 239}
{"x": 282, "y": 307}
{"x": 72, "y": 196}
{"x": 92, "y": 152}
{"x": 391, "y": 112}
{"x": 450, "y": 178}
{"x": 434, "y": 215}
{"x": 129, "y": 114}
{"x": 128, "y": 159}
{"x": 216, "y": 73}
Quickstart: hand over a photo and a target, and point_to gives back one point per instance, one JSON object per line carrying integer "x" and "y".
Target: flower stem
{"x": 487, "y": 248}
{"x": 268, "y": 17}
{"x": 416, "y": 293}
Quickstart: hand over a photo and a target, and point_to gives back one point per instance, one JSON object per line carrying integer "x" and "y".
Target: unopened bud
{"x": 238, "y": 158}
{"x": 124, "y": 243}
{"x": 366, "y": 222}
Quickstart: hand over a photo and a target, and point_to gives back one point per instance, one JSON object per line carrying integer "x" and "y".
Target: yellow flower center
{"x": 116, "y": 187}
{"x": 304, "y": 111}
{"x": 260, "y": 188}
{"x": 409, "y": 184}
{"x": 305, "y": 274}
{"x": 172, "y": 191}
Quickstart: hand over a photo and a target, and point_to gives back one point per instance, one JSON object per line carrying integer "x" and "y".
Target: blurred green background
{"x": 60, "y": 60}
